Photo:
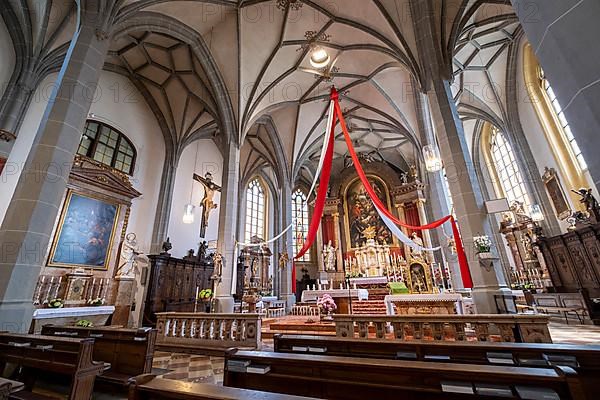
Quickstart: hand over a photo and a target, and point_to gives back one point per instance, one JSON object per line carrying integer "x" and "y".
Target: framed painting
{"x": 360, "y": 213}
{"x": 85, "y": 232}
{"x": 556, "y": 193}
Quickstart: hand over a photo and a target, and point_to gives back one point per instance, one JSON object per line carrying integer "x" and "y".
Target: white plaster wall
{"x": 120, "y": 105}
{"x": 22, "y": 145}
{"x": 185, "y": 237}
{"x": 534, "y": 133}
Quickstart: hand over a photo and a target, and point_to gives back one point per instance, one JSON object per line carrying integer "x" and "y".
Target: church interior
{"x": 299, "y": 199}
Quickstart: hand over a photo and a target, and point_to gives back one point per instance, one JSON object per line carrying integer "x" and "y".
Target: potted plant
{"x": 205, "y": 296}
{"x": 56, "y": 303}
{"x": 483, "y": 244}
{"x": 327, "y": 306}
{"x": 97, "y": 302}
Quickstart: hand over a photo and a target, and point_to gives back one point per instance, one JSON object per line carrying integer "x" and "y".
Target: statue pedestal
{"x": 123, "y": 292}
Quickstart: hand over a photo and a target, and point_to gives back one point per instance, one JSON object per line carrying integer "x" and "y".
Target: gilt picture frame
{"x": 556, "y": 193}
{"x": 85, "y": 233}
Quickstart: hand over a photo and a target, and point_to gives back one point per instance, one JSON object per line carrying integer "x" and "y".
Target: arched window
{"x": 300, "y": 221}
{"x": 507, "y": 169}
{"x": 255, "y": 210}
{"x": 562, "y": 118}
{"x": 108, "y": 146}
{"x": 556, "y": 128}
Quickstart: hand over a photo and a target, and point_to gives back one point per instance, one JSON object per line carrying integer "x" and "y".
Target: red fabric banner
{"x": 462, "y": 258}
{"x": 322, "y": 193}
{"x": 293, "y": 277}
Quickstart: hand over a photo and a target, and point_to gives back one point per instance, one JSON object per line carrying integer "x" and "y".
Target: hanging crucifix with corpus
{"x": 207, "y": 202}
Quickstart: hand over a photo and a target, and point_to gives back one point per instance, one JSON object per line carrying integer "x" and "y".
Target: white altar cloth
{"x": 45, "y": 313}
{"x": 374, "y": 280}
{"x": 313, "y": 295}
{"x": 415, "y": 298}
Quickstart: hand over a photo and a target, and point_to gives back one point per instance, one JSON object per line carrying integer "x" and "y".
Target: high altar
{"x": 363, "y": 246}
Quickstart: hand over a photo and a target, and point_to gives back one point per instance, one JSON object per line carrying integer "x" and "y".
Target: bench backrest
{"x": 149, "y": 387}
{"x": 517, "y": 354}
{"x": 129, "y": 351}
{"x": 352, "y": 378}
{"x": 63, "y": 355}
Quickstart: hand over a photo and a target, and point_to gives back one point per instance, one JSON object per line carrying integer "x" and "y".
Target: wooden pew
{"x": 148, "y": 387}
{"x": 351, "y": 378}
{"x": 584, "y": 359}
{"x": 63, "y": 356}
{"x": 128, "y": 351}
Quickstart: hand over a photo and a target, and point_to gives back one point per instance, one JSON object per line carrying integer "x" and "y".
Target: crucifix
{"x": 207, "y": 202}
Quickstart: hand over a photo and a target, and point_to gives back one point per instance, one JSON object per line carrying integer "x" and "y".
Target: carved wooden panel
{"x": 173, "y": 284}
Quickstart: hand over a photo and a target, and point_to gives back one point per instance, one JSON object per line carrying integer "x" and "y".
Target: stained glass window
{"x": 509, "y": 173}
{"x": 255, "y": 210}
{"x": 300, "y": 221}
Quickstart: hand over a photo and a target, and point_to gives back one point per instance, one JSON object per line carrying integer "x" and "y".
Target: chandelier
{"x": 295, "y": 5}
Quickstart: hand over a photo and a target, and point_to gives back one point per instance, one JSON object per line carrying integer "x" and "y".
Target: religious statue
{"x": 202, "y": 251}
{"x": 166, "y": 246}
{"x": 218, "y": 259}
{"x": 284, "y": 259}
{"x": 329, "y": 257}
{"x": 207, "y": 202}
{"x": 130, "y": 257}
{"x": 414, "y": 173}
{"x": 590, "y": 203}
{"x": 416, "y": 253}
{"x": 190, "y": 255}
{"x": 404, "y": 178}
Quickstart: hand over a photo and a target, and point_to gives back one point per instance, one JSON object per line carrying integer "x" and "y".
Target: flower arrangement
{"x": 56, "y": 303}
{"x": 96, "y": 302}
{"x": 483, "y": 244}
{"x": 205, "y": 295}
{"x": 354, "y": 274}
{"x": 84, "y": 323}
{"x": 327, "y": 304}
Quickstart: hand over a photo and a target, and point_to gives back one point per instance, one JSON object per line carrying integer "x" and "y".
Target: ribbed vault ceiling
{"x": 261, "y": 53}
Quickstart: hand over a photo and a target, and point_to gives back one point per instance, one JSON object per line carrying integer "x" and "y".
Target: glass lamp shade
{"x": 188, "y": 214}
{"x": 319, "y": 58}
{"x": 536, "y": 213}
{"x": 433, "y": 161}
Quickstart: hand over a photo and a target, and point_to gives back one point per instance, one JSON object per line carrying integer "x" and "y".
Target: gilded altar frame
{"x": 347, "y": 215}
{"x": 411, "y": 283}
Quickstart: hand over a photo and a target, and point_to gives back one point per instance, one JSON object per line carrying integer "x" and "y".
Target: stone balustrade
{"x": 215, "y": 331}
{"x": 479, "y": 327}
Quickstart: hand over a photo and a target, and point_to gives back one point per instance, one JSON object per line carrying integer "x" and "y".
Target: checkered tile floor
{"x": 189, "y": 367}
{"x": 575, "y": 334}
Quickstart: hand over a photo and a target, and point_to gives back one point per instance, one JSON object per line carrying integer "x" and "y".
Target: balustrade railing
{"x": 478, "y": 327}
{"x": 201, "y": 330}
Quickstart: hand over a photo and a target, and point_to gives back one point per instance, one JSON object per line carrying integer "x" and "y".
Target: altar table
{"x": 444, "y": 304}
{"x": 69, "y": 316}
{"x": 340, "y": 296}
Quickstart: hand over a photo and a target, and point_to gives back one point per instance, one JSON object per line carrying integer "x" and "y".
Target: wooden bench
{"x": 351, "y": 378}
{"x": 562, "y": 304}
{"x": 128, "y": 351}
{"x": 148, "y": 387}
{"x": 584, "y": 359}
{"x": 63, "y": 356}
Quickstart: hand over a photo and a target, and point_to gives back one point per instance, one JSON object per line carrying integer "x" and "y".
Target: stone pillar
{"x": 437, "y": 192}
{"x": 286, "y": 218}
{"x": 17, "y": 98}
{"x": 165, "y": 201}
{"x": 228, "y": 216}
{"x": 466, "y": 194}
{"x": 564, "y": 35}
{"x": 29, "y": 221}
